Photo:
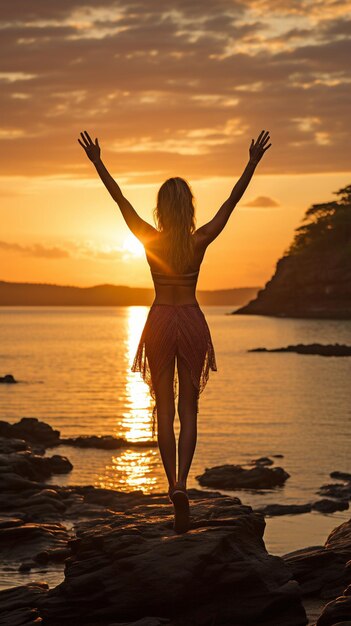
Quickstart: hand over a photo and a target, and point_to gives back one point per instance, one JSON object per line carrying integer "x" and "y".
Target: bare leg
{"x": 165, "y": 421}
{"x": 187, "y": 405}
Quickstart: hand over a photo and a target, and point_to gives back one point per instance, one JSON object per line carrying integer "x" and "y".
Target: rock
{"x": 284, "y": 509}
{"x": 324, "y": 570}
{"x": 338, "y": 611}
{"x": 12, "y": 445}
{"x": 341, "y": 475}
{"x": 312, "y": 348}
{"x": 263, "y": 460}
{"x": 236, "y": 477}
{"x": 8, "y": 379}
{"x": 26, "y": 540}
{"x": 32, "y": 430}
{"x": 18, "y": 604}
{"x": 33, "y": 466}
{"x": 329, "y": 506}
{"x": 335, "y": 490}
{"x": 133, "y": 564}
{"x": 105, "y": 442}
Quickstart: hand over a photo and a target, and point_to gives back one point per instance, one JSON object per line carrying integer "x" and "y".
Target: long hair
{"x": 174, "y": 216}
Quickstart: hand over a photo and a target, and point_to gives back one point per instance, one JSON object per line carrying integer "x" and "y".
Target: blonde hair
{"x": 174, "y": 216}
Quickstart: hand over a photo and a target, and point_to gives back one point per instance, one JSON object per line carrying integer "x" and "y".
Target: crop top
{"x": 181, "y": 280}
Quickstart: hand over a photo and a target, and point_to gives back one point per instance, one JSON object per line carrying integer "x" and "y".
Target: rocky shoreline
{"x": 124, "y": 564}
{"x": 335, "y": 349}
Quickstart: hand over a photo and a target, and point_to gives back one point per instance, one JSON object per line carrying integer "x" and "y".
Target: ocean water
{"x": 74, "y": 367}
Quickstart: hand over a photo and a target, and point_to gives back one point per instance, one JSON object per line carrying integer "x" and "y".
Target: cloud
{"x": 262, "y": 201}
{"x": 70, "y": 249}
{"x": 36, "y": 250}
{"x": 170, "y": 88}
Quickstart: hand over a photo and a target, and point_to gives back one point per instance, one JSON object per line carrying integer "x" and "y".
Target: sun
{"x": 132, "y": 245}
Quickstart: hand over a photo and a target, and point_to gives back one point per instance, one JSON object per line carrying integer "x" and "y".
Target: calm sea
{"x": 74, "y": 367}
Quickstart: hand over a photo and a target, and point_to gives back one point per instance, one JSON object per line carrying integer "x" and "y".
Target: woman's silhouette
{"x": 175, "y": 346}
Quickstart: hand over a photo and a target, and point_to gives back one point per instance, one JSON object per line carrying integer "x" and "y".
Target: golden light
{"x": 137, "y": 419}
{"x": 133, "y": 246}
{"x": 132, "y": 469}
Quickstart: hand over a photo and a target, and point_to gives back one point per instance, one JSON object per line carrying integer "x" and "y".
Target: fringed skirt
{"x": 169, "y": 331}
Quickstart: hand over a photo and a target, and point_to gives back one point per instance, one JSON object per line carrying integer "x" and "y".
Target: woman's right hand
{"x": 257, "y": 148}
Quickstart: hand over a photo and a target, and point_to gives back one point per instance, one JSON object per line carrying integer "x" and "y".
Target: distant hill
{"x": 313, "y": 278}
{"x": 43, "y": 294}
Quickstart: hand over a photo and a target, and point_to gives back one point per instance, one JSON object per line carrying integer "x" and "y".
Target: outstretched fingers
{"x": 89, "y": 138}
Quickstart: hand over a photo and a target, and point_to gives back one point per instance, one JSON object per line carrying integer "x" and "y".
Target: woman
{"x": 175, "y": 332}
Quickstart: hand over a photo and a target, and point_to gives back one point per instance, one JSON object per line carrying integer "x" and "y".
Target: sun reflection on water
{"x": 136, "y": 421}
{"x": 134, "y": 469}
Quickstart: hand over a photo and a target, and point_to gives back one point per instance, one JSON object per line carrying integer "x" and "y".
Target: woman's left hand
{"x": 92, "y": 149}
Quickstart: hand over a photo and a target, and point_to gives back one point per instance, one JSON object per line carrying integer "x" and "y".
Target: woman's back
{"x": 170, "y": 287}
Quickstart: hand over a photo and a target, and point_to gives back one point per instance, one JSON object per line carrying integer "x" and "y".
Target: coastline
{"x": 54, "y": 525}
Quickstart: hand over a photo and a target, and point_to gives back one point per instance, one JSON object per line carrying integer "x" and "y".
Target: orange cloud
{"x": 172, "y": 90}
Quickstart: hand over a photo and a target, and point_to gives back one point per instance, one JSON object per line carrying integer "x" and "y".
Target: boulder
{"x": 31, "y": 429}
{"x": 237, "y": 477}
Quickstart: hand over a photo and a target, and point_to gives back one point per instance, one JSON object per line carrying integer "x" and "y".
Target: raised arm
{"x": 137, "y": 225}
{"x": 208, "y": 232}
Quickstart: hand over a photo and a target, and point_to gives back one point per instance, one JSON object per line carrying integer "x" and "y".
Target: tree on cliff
{"x": 328, "y": 223}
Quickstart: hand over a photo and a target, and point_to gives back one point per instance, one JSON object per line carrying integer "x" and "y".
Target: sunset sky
{"x": 170, "y": 89}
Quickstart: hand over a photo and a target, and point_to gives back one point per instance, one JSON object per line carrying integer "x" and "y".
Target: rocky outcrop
{"x": 335, "y": 349}
{"x": 131, "y": 565}
{"x": 313, "y": 277}
{"x": 124, "y": 563}
{"x": 303, "y": 287}
{"x": 237, "y": 477}
{"x": 32, "y": 430}
{"x": 36, "y": 432}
